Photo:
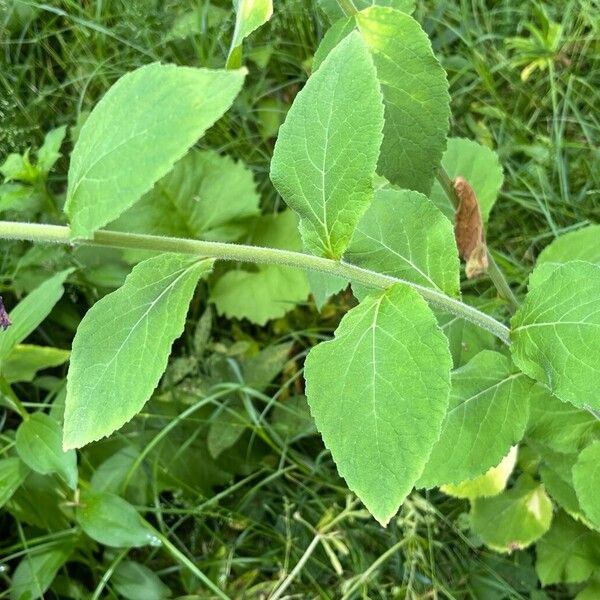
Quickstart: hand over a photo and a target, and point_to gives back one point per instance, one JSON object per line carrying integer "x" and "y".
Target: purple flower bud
{"x": 4, "y": 319}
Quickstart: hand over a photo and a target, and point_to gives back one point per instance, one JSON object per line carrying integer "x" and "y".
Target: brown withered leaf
{"x": 469, "y": 231}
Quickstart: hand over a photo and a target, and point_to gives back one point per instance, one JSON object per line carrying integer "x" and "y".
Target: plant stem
{"x": 494, "y": 272}
{"x": 35, "y": 232}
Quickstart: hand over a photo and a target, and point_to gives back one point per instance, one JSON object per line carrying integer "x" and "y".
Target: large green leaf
{"x": 583, "y": 244}
{"x": 13, "y": 472}
{"x": 203, "y": 197}
{"x": 487, "y": 414}
{"x": 378, "y": 393}
{"x": 134, "y": 581}
{"x": 36, "y": 572}
{"x": 514, "y": 519}
{"x": 39, "y": 446}
{"x": 333, "y": 11}
{"x": 404, "y": 235}
{"x": 249, "y": 16}
{"x": 568, "y": 553}
{"x": 415, "y": 93}
{"x": 31, "y": 311}
{"x": 556, "y": 333}
{"x": 479, "y": 165}
{"x": 268, "y": 291}
{"x": 112, "y": 521}
{"x": 586, "y": 479}
{"x": 123, "y": 343}
{"x": 140, "y": 128}
{"x": 326, "y": 153}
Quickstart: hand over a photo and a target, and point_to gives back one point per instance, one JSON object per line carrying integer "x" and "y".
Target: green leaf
{"x": 556, "y": 333}
{"x": 123, "y": 343}
{"x": 513, "y": 519}
{"x": 203, "y": 197}
{"x": 323, "y": 286}
{"x": 49, "y": 153}
{"x": 583, "y": 244}
{"x": 31, "y": 311}
{"x": 415, "y": 93}
{"x": 249, "y": 16}
{"x": 487, "y": 414}
{"x": 139, "y": 129}
{"x": 325, "y": 156}
{"x": 591, "y": 590}
{"x": 378, "y": 393}
{"x": 586, "y": 479}
{"x": 13, "y": 472}
{"x": 135, "y": 581}
{"x": 26, "y": 360}
{"x": 333, "y": 11}
{"x": 227, "y": 426}
{"x": 491, "y": 483}
{"x": 39, "y": 446}
{"x": 112, "y": 521}
{"x": 556, "y": 473}
{"x": 558, "y": 425}
{"x": 36, "y": 572}
{"x": 568, "y": 553}
{"x": 268, "y": 291}
{"x": 404, "y": 235}
{"x": 479, "y": 165}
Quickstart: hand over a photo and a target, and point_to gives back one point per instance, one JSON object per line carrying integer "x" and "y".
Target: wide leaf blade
{"x": 326, "y": 153}
{"x": 140, "y": 128}
{"x": 249, "y": 16}
{"x": 586, "y": 479}
{"x": 123, "y": 343}
{"x": 378, "y": 393}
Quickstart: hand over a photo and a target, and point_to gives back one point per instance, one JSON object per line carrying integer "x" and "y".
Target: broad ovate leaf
{"x": 267, "y": 291}
{"x": 249, "y": 16}
{"x": 568, "y": 553}
{"x": 112, "y": 521}
{"x": 123, "y": 343}
{"x": 378, "y": 393}
{"x": 404, "y": 235}
{"x": 479, "y": 165}
{"x": 583, "y": 244}
{"x": 326, "y": 153}
{"x": 586, "y": 480}
{"x": 38, "y": 443}
{"x": 556, "y": 333}
{"x": 415, "y": 93}
{"x": 487, "y": 414}
{"x": 134, "y": 581}
{"x": 513, "y": 519}
{"x": 144, "y": 124}
{"x": 205, "y": 196}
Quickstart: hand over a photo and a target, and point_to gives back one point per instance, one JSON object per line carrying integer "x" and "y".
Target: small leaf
{"x": 468, "y": 228}
{"x": 404, "y": 235}
{"x": 583, "y": 244}
{"x": 123, "y": 343}
{"x": 249, "y": 16}
{"x": 556, "y": 333}
{"x": 568, "y": 553}
{"x": 487, "y": 415}
{"x": 479, "y": 165}
{"x": 586, "y": 479}
{"x": 26, "y": 360}
{"x": 120, "y": 152}
{"x": 269, "y": 291}
{"x": 49, "y": 153}
{"x": 205, "y": 196}
{"x": 13, "y": 472}
{"x": 333, "y": 11}
{"x": 378, "y": 393}
{"x": 415, "y": 93}
{"x": 39, "y": 446}
{"x": 135, "y": 581}
{"x": 36, "y": 572}
{"x": 31, "y": 311}
{"x": 325, "y": 156}
{"x": 112, "y": 521}
{"x": 491, "y": 483}
{"x": 513, "y": 519}
{"x": 323, "y": 286}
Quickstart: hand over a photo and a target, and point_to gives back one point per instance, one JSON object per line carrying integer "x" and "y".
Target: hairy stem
{"x": 35, "y": 232}
{"x": 494, "y": 271}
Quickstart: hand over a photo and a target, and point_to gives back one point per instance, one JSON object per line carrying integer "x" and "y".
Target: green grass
{"x": 283, "y": 516}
